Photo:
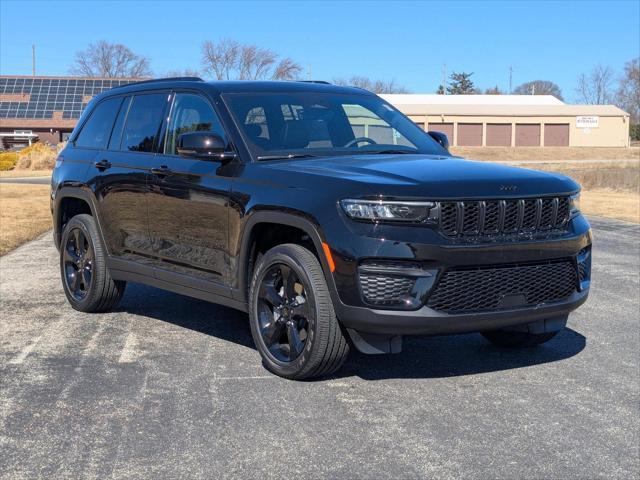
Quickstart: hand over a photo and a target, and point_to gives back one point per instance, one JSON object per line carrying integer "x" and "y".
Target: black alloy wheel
{"x": 283, "y": 313}
{"x": 293, "y": 323}
{"x": 85, "y": 277}
{"x": 78, "y": 259}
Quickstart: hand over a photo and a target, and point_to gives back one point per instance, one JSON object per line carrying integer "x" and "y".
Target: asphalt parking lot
{"x": 171, "y": 387}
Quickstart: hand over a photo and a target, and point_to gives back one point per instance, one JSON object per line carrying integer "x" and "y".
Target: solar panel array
{"x": 48, "y": 95}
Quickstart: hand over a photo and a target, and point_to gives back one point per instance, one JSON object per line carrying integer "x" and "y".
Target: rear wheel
{"x": 85, "y": 277}
{"x": 292, "y": 319}
{"x": 505, "y": 338}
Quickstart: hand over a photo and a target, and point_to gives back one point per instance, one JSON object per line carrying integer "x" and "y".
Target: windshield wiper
{"x": 390, "y": 151}
{"x": 286, "y": 157}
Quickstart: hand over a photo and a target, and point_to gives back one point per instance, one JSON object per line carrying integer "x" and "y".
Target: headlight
{"x": 390, "y": 211}
{"x": 574, "y": 205}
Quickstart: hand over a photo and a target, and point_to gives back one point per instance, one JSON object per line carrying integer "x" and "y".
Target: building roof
{"x": 434, "y": 99}
{"x": 512, "y": 110}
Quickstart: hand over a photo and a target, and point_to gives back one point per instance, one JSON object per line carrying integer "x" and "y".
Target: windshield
{"x": 307, "y": 124}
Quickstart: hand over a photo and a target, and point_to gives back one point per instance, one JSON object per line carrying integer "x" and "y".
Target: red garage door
{"x": 446, "y": 128}
{"x": 498, "y": 135}
{"x": 528, "y": 135}
{"x": 556, "y": 135}
{"x": 469, "y": 135}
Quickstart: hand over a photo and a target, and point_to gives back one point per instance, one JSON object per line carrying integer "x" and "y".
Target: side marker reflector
{"x": 327, "y": 253}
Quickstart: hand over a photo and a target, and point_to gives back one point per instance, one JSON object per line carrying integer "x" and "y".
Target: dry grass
{"x": 610, "y": 189}
{"x": 503, "y": 154}
{"x": 38, "y": 157}
{"x": 24, "y": 214}
{"x": 25, "y": 173}
{"x": 612, "y": 204}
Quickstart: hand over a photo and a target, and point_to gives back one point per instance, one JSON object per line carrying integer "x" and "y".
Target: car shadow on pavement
{"x": 422, "y": 357}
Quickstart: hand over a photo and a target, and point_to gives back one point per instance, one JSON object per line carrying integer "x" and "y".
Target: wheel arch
{"x": 278, "y": 218}
{"x": 79, "y": 200}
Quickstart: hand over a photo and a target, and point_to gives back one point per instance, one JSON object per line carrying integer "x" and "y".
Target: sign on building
{"x": 587, "y": 122}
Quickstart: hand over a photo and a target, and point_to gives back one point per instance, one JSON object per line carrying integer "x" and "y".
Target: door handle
{"x": 161, "y": 171}
{"x": 103, "y": 164}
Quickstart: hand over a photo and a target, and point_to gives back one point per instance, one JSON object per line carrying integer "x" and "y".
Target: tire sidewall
{"x": 278, "y": 256}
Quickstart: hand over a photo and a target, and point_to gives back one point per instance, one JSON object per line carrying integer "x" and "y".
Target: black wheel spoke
{"x": 74, "y": 281}
{"x": 300, "y": 308}
{"x": 272, "y": 332}
{"x": 86, "y": 278}
{"x": 269, "y": 293}
{"x": 293, "y": 337}
{"x": 288, "y": 282}
{"x": 69, "y": 255}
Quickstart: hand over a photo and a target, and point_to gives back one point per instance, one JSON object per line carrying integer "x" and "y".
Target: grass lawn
{"x": 24, "y": 214}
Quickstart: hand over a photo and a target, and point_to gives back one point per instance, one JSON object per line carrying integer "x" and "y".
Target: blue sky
{"x": 405, "y": 41}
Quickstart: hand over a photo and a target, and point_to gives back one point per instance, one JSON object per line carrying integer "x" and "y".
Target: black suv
{"x": 322, "y": 211}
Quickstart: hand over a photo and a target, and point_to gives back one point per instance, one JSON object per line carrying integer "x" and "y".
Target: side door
{"x": 188, "y": 203}
{"x": 115, "y": 188}
{"x": 122, "y": 180}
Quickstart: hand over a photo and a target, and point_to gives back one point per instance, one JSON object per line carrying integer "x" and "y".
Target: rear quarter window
{"x": 96, "y": 131}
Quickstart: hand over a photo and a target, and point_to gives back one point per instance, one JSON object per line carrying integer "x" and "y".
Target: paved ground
{"x": 28, "y": 180}
{"x": 170, "y": 387}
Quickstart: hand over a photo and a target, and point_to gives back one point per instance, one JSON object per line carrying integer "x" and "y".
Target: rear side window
{"x": 143, "y": 122}
{"x": 96, "y": 132}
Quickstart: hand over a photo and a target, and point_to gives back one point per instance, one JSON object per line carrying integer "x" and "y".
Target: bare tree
{"x": 187, "y": 72}
{"x": 539, "y": 87}
{"x": 375, "y": 86}
{"x": 110, "y": 60}
{"x": 595, "y": 88}
{"x": 230, "y": 60}
{"x": 628, "y": 94}
{"x": 493, "y": 91}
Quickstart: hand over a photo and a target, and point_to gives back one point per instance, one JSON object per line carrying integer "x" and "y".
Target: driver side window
{"x": 190, "y": 113}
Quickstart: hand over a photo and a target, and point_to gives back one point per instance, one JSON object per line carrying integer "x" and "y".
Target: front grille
{"x": 473, "y": 219}
{"x": 384, "y": 290}
{"x": 503, "y": 287}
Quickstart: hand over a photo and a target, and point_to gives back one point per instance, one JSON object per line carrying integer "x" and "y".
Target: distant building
{"x": 46, "y": 109}
{"x": 515, "y": 120}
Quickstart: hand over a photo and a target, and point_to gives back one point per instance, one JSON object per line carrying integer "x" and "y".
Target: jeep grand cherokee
{"x": 322, "y": 211}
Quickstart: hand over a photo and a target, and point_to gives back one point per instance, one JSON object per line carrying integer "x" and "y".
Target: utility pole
{"x": 33, "y": 59}
{"x": 510, "y": 79}
{"x": 444, "y": 79}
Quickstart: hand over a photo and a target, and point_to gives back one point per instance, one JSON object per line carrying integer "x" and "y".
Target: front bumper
{"x": 439, "y": 254}
{"x": 427, "y": 321}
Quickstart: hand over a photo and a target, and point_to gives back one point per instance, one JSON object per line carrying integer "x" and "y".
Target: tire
{"x": 509, "y": 339}
{"x": 278, "y": 309}
{"x": 83, "y": 260}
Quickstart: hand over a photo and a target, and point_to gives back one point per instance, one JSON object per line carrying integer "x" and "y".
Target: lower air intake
{"x": 503, "y": 287}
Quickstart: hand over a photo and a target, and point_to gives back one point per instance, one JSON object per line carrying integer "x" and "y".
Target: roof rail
{"x": 315, "y": 81}
{"x": 167, "y": 79}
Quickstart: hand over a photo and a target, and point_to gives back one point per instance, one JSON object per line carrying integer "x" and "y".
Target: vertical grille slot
{"x": 471, "y": 217}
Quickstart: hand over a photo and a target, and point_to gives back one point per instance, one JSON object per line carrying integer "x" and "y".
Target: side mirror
{"x": 441, "y": 138}
{"x": 203, "y": 145}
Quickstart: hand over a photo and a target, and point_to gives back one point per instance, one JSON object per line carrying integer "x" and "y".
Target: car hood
{"x": 430, "y": 176}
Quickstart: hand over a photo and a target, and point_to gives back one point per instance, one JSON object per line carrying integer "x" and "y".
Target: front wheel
{"x": 293, "y": 322}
